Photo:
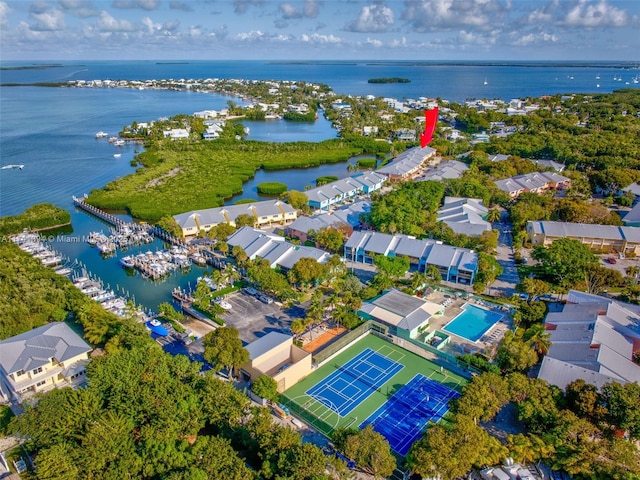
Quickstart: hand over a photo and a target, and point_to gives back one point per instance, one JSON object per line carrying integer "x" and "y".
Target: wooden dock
{"x": 154, "y": 230}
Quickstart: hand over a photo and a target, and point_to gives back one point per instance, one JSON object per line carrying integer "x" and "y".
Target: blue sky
{"x": 320, "y": 29}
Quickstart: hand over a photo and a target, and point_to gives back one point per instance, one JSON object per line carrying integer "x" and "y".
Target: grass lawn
{"x": 326, "y": 420}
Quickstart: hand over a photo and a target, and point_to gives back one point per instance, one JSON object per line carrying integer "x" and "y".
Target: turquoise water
{"x": 472, "y": 323}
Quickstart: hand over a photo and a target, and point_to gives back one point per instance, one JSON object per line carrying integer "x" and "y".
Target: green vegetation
{"x": 38, "y": 217}
{"x": 310, "y": 116}
{"x": 389, "y": 80}
{"x": 223, "y": 349}
{"x": 368, "y": 449}
{"x": 182, "y": 176}
{"x": 573, "y": 430}
{"x": 367, "y": 163}
{"x": 266, "y": 387}
{"x": 148, "y": 415}
{"x": 326, "y": 179}
{"x": 32, "y": 294}
{"x": 271, "y": 188}
{"x": 5, "y": 417}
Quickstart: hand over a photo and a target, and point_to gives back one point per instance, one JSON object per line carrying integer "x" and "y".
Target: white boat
{"x": 10, "y": 167}
{"x": 101, "y": 134}
{"x": 117, "y": 155}
{"x": 119, "y": 143}
{"x": 485, "y": 81}
{"x": 127, "y": 262}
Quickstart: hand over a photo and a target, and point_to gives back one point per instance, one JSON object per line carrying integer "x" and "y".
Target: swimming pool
{"x": 472, "y": 323}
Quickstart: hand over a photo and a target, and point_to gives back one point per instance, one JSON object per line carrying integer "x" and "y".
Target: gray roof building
{"x": 405, "y": 314}
{"x": 263, "y": 213}
{"x": 464, "y": 215}
{"x": 532, "y": 182}
{"x": 601, "y": 237}
{"x": 37, "y": 347}
{"x": 455, "y": 264}
{"x": 344, "y": 189}
{"x": 408, "y": 162}
{"x": 445, "y": 170}
{"x": 592, "y": 339}
{"x": 273, "y": 248}
{"x": 46, "y": 357}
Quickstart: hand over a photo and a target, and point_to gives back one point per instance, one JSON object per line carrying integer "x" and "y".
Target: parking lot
{"x": 254, "y": 319}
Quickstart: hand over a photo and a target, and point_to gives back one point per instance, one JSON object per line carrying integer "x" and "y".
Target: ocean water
{"x": 51, "y": 130}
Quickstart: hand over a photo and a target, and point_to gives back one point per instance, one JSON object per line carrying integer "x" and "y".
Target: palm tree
{"x": 633, "y": 271}
{"x": 494, "y": 215}
{"x": 538, "y": 338}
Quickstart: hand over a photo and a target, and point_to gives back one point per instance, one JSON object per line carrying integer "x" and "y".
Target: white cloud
{"x": 107, "y": 23}
{"x": 374, "y": 42}
{"x": 535, "y": 39}
{"x": 252, "y": 36}
{"x": 372, "y": 18}
{"x": 150, "y": 26}
{"x": 176, "y": 5}
{"x": 143, "y": 4}
{"x": 4, "y": 11}
{"x": 311, "y": 8}
{"x": 431, "y": 15}
{"x": 544, "y": 14}
{"x": 322, "y": 39}
{"x": 39, "y": 6}
{"x": 241, "y": 6}
{"x": 289, "y": 11}
{"x": 79, "y": 8}
{"x": 587, "y": 14}
{"x": 50, "y": 21}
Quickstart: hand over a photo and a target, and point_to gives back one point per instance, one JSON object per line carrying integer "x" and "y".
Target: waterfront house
{"x": 345, "y": 219}
{"x": 405, "y": 315}
{"x": 458, "y": 265}
{"x": 264, "y": 214}
{"x": 407, "y": 164}
{"x": 276, "y": 356}
{"x": 177, "y": 134}
{"x": 594, "y": 339}
{"x": 41, "y": 359}
{"x": 598, "y": 237}
{"x": 340, "y": 191}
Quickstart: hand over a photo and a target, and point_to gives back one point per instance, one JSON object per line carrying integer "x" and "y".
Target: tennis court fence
{"x": 342, "y": 343}
{"x": 302, "y": 413}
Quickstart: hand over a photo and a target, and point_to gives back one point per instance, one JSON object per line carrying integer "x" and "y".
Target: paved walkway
{"x": 505, "y": 284}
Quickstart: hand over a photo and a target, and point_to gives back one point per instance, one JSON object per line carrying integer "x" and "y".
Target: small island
{"x": 389, "y": 80}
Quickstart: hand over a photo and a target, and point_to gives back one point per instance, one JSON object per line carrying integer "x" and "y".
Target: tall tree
{"x": 223, "y": 348}
{"x": 371, "y": 451}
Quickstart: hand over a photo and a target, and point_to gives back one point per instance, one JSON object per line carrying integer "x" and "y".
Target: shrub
{"x": 367, "y": 163}
{"x": 326, "y": 179}
{"x": 271, "y": 188}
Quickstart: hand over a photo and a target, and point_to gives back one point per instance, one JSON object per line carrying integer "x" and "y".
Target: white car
{"x": 224, "y": 304}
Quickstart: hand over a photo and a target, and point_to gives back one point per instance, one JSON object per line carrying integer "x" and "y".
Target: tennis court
{"x": 402, "y": 419}
{"x": 351, "y": 383}
{"x": 354, "y": 387}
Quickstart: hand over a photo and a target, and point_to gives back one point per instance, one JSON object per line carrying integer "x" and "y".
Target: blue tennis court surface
{"x": 403, "y": 417}
{"x": 352, "y": 383}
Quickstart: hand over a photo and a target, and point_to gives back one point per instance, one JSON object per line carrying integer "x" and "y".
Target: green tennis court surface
{"x": 325, "y": 386}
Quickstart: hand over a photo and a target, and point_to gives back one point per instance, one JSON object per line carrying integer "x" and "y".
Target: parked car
{"x": 265, "y": 299}
{"x": 612, "y": 260}
{"x": 250, "y": 291}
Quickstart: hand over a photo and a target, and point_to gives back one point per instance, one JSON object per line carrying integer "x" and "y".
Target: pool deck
{"x": 487, "y": 344}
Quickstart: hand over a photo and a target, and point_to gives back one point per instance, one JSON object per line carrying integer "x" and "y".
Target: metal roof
{"x": 37, "y": 347}
{"x": 267, "y": 343}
